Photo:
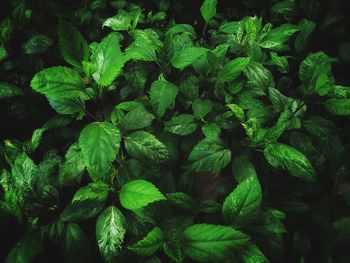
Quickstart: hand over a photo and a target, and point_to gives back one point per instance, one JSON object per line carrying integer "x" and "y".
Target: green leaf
{"x": 208, "y": 10}
{"x": 211, "y": 130}
{"x": 110, "y": 232}
{"x": 118, "y": 22}
{"x": 182, "y": 124}
{"x": 138, "y": 118}
{"x": 187, "y": 56}
{"x": 252, "y": 254}
{"x": 209, "y": 155}
{"x": 242, "y": 168}
{"x": 338, "y": 106}
{"x": 144, "y": 146}
{"x": 181, "y": 200}
{"x": 93, "y": 191}
{"x": 242, "y": 206}
{"x": 59, "y": 83}
{"x": 281, "y": 62}
{"x": 108, "y": 60}
{"x": 312, "y": 67}
{"x": 139, "y": 193}
{"x": 71, "y": 170}
{"x": 37, "y": 44}
{"x": 162, "y": 96}
{"x": 99, "y": 143}
{"x": 73, "y": 46}
{"x": 67, "y": 106}
{"x": 149, "y": 244}
{"x": 8, "y": 90}
{"x": 201, "y": 108}
{"x": 27, "y": 248}
{"x": 233, "y": 69}
{"x": 237, "y": 111}
{"x": 205, "y": 242}
{"x": 286, "y": 157}
{"x": 278, "y": 36}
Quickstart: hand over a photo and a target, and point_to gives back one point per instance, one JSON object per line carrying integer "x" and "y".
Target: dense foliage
{"x": 158, "y": 131}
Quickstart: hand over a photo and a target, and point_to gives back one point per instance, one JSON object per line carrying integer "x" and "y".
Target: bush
{"x": 156, "y": 131}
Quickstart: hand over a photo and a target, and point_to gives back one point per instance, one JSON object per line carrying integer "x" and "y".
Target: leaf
{"x": 139, "y": 193}
{"x": 99, "y": 143}
{"x": 108, "y": 60}
{"x": 208, "y": 10}
{"x": 312, "y": 67}
{"x": 118, "y": 22}
{"x": 278, "y": 35}
{"x": 71, "y": 170}
{"x": 187, "y": 56}
{"x": 252, "y": 254}
{"x": 144, "y": 146}
{"x": 242, "y": 206}
{"x": 162, "y": 96}
{"x": 8, "y": 90}
{"x": 182, "y": 124}
{"x": 73, "y": 46}
{"x": 27, "y": 248}
{"x": 59, "y": 83}
{"x": 209, "y": 155}
{"x": 37, "y": 44}
{"x": 233, "y": 69}
{"x": 287, "y": 158}
{"x": 205, "y": 242}
{"x": 338, "y": 106}
{"x": 242, "y": 168}
{"x": 93, "y": 191}
{"x": 201, "y": 108}
{"x": 149, "y": 244}
{"x": 281, "y": 62}
{"x": 110, "y": 232}
{"x": 181, "y": 200}
{"x": 67, "y": 106}
{"x": 138, "y": 118}
{"x": 211, "y": 130}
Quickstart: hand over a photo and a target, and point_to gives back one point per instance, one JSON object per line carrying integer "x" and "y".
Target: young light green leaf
{"x": 278, "y": 35}
{"x": 118, "y": 22}
{"x": 59, "y": 83}
{"x": 209, "y": 155}
{"x": 208, "y": 10}
{"x": 233, "y": 69}
{"x": 242, "y": 206}
{"x": 108, "y": 60}
{"x": 149, "y": 244}
{"x": 338, "y": 106}
{"x": 182, "y": 124}
{"x": 205, "y": 242}
{"x": 288, "y": 158}
{"x": 110, "y": 232}
{"x": 99, "y": 143}
{"x": 93, "y": 191}
{"x": 144, "y": 146}
{"x": 73, "y": 46}
{"x": 162, "y": 96}
{"x": 139, "y": 193}
{"x": 187, "y": 56}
